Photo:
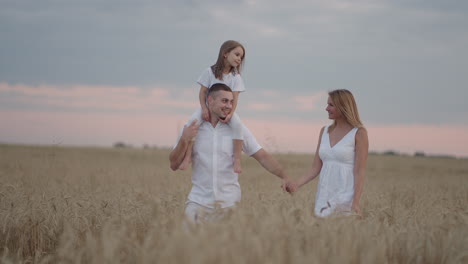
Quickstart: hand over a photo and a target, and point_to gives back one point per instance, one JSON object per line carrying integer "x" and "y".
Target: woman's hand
{"x": 290, "y": 186}
{"x": 355, "y": 208}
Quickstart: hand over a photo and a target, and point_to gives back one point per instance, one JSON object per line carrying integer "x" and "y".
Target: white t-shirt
{"x": 214, "y": 181}
{"x": 234, "y": 81}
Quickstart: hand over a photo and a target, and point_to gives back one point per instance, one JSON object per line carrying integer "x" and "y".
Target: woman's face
{"x": 333, "y": 111}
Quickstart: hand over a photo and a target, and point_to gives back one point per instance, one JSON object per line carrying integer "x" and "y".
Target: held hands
{"x": 190, "y": 131}
{"x": 289, "y": 186}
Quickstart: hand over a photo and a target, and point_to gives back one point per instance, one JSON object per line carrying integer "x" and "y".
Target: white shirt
{"x": 214, "y": 182}
{"x": 234, "y": 81}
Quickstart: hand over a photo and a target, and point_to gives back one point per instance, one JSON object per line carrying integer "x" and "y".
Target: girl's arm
{"x": 234, "y": 102}
{"x": 360, "y": 161}
{"x": 202, "y": 97}
{"x": 313, "y": 172}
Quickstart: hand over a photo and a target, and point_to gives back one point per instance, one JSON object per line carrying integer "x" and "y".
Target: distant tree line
{"x": 416, "y": 154}
{"x": 120, "y": 144}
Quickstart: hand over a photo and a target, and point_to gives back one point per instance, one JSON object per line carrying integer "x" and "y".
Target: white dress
{"x": 335, "y": 189}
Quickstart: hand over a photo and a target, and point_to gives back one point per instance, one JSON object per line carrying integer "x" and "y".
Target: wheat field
{"x": 124, "y": 205}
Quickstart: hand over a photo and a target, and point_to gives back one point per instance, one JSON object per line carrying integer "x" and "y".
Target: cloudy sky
{"x": 96, "y": 72}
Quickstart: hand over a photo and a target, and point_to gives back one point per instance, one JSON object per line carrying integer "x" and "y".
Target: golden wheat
{"x": 95, "y": 205}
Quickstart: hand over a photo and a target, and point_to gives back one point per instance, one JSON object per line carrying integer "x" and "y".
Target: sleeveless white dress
{"x": 335, "y": 189}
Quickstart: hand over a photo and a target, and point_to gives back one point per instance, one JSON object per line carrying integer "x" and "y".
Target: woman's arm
{"x": 360, "y": 161}
{"x": 313, "y": 172}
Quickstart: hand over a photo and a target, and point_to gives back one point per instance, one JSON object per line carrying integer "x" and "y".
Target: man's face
{"x": 220, "y": 104}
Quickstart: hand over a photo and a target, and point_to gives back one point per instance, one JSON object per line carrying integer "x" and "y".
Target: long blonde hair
{"x": 344, "y": 101}
{"x": 218, "y": 67}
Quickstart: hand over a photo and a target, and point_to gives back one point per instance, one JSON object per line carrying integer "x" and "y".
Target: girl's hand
{"x": 206, "y": 114}
{"x": 227, "y": 119}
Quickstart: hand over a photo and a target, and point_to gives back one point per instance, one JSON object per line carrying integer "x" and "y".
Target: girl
{"x": 340, "y": 158}
{"x": 226, "y": 70}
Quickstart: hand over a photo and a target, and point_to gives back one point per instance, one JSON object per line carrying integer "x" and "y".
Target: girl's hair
{"x": 345, "y": 103}
{"x": 218, "y": 67}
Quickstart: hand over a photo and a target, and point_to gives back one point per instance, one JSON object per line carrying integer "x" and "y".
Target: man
{"x": 215, "y": 185}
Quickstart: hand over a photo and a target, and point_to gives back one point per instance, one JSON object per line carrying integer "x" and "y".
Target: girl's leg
{"x": 237, "y": 155}
{"x": 238, "y": 141}
{"x": 188, "y": 154}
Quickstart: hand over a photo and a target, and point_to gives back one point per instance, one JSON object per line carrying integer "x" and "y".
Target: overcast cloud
{"x": 405, "y": 61}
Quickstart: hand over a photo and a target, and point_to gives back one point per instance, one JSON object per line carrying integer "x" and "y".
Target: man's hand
{"x": 289, "y": 186}
{"x": 285, "y": 185}
{"x": 190, "y": 131}
{"x": 206, "y": 114}
{"x": 178, "y": 153}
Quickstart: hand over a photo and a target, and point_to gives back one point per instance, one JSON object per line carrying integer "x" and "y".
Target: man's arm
{"x": 178, "y": 153}
{"x": 271, "y": 164}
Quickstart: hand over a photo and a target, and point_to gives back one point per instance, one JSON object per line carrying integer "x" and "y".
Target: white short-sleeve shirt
{"x": 214, "y": 182}
{"x": 234, "y": 81}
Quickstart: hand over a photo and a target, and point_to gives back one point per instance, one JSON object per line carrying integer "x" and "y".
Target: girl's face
{"x": 234, "y": 57}
{"x": 333, "y": 111}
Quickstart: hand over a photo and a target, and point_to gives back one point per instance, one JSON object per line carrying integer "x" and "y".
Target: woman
{"x": 340, "y": 158}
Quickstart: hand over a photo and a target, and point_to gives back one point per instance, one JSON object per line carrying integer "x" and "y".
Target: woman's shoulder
{"x": 361, "y": 130}
{"x": 324, "y": 128}
{"x": 320, "y": 136}
{"x": 361, "y": 133}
